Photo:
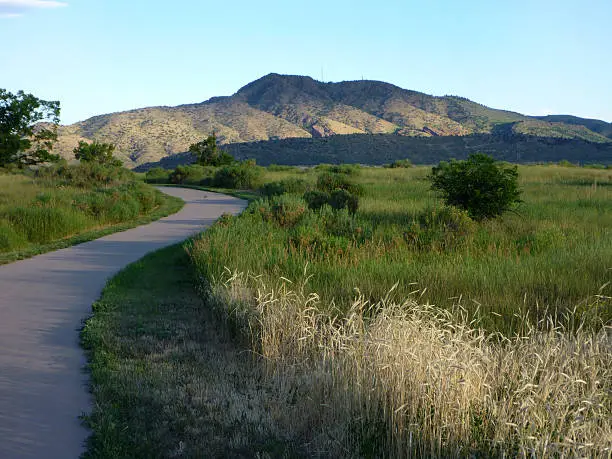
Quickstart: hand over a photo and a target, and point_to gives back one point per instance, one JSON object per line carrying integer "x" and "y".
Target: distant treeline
{"x": 380, "y": 149}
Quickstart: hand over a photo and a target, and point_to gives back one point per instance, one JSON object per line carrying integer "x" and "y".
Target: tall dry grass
{"x": 403, "y": 379}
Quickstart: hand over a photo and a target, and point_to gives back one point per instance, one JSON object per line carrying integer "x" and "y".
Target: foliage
{"x": 484, "y": 188}
{"x": 244, "y": 175}
{"x": 285, "y": 210}
{"x": 290, "y": 185}
{"x": 384, "y": 149}
{"x": 22, "y": 141}
{"x": 53, "y": 205}
{"x": 400, "y": 164}
{"x": 332, "y": 181}
{"x": 157, "y": 175}
{"x": 193, "y": 174}
{"x": 96, "y": 152}
{"x": 208, "y": 153}
{"x": 554, "y": 254}
{"x": 316, "y": 199}
{"x": 342, "y": 199}
{"x": 440, "y": 229}
{"x": 85, "y": 175}
{"x": 514, "y": 359}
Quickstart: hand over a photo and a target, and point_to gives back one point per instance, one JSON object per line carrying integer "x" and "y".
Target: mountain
{"x": 283, "y": 106}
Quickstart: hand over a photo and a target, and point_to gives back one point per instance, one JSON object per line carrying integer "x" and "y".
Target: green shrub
{"x": 85, "y": 175}
{"x": 342, "y": 199}
{"x": 193, "y": 174}
{"x": 441, "y": 228}
{"x": 290, "y": 185}
{"x": 479, "y": 185}
{"x": 238, "y": 176}
{"x": 346, "y": 169}
{"x": 157, "y": 175}
{"x": 400, "y": 164}
{"x": 286, "y": 210}
{"x": 566, "y": 163}
{"x": 316, "y": 199}
{"x": 331, "y": 181}
{"x": 147, "y": 198}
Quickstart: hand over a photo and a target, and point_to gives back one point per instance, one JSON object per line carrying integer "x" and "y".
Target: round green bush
{"x": 479, "y": 185}
{"x": 238, "y": 176}
{"x": 342, "y": 199}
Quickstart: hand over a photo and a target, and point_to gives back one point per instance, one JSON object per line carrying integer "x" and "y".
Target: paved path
{"x": 43, "y": 301}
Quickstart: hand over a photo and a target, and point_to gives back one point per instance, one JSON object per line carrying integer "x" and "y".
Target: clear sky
{"x": 99, "y": 56}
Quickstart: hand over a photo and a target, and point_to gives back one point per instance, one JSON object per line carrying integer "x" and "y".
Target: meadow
{"x": 409, "y": 330}
{"x": 62, "y": 205}
{"x": 550, "y": 256}
{"x": 403, "y": 329}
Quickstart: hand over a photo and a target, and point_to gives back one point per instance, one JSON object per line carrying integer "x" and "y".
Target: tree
{"x": 28, "y": 129}
{"x": 209, "y": 154}
{"x": 479, "y": 185}
{"x": 101, "y": 153}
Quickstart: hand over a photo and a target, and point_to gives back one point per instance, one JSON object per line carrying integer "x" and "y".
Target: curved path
{"x": 43, "y": 301}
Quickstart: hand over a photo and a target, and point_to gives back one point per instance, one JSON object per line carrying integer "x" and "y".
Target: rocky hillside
{"x": 280, "y": 107}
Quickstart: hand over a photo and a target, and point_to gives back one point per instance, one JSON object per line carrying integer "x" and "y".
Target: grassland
{"x": 405, "y": 330}
{"x": 167, "y": 378}
{"x": 50, "y": 209}
{"x": 550, "y": 256}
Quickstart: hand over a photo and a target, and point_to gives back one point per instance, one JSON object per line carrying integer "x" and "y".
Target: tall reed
{"x": 403, "y": 379}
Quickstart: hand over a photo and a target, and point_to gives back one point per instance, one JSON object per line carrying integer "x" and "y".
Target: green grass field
{"x": 552, "y": 255}
{"x": 52, "y": 209}
{"x": 405, "y": 330}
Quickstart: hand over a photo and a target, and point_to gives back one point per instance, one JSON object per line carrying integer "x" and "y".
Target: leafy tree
{"x": 28, "y": 129}
{"x": 95, "y": 152}
{"x": 480, "y": 185}
{"x": 209, "y": 154}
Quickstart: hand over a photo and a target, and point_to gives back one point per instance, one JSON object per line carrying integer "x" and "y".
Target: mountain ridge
{"x": 277, "y": 107}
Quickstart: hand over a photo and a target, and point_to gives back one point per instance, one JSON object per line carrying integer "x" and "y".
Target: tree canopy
{"x": 96, "y": 152}
{"x": 480, "y": 185}
{"x": 28, "y": 129}
{"x": 208, "y": 152}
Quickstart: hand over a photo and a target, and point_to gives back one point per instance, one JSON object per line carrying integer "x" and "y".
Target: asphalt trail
{"x": 43, "y": 301}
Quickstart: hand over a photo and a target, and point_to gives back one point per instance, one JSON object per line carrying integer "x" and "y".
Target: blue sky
{"x": 100, "y": 56}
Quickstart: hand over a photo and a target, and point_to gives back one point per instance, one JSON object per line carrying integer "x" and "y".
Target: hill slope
{"x": 280, "y": 107}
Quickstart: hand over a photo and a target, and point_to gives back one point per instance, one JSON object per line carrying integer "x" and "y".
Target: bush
{"x": 316, "y": 199}
{"x": 244, "y": 175}
{"x": 342, "y": 199}
{"x": 286, "y": 210}
{"x": 157, "y": 175}
{"x": 85, "y": 175}
{"x": 479, "y": 185}
{"x": 400, "y": 164}
{"x": 290, "y": 185}
{"x": 442, "y": 228}
{"x": 193, "y": 174}
{"x": 331, "y": 181}
{"x": 96, "y": 152}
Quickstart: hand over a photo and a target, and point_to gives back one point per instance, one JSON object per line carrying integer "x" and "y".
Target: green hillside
{"x": 282, "y": 107}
